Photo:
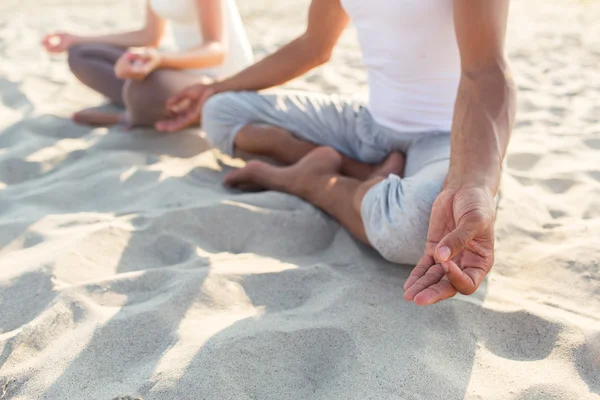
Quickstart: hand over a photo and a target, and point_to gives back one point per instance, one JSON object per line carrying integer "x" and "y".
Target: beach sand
{"x": 127, "y": 269}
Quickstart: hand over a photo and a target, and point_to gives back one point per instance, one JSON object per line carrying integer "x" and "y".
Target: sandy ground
{"x": 126, "y": 269}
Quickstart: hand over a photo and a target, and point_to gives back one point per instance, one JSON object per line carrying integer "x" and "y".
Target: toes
{"x": 244, "y": 177}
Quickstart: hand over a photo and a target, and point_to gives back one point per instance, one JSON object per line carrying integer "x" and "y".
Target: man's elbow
{"x": 314, "y": 50}
{"x": 323, "y": 56}
{"x": 495, "y": 70}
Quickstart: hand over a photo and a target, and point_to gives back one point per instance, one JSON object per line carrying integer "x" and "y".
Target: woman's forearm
{"x": 140, "y": 38}
{"x": 207, "y": 55}
{"x": 483, "y": 120}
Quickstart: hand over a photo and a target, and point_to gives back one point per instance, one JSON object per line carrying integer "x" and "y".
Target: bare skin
{"x": 460, "y": 244}
{"x": 286, "y": 149}
{"x": 317, "y": 179}
{"x": 143, "y": 58}
{"x": 98, "y": 118}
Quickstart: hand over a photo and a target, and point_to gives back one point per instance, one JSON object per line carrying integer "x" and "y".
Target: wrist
{"x": 219, "y": 86}
{"x": 162, "y": 59}
{"x": 487, "y": 179}
{"x": 76, "y": 39}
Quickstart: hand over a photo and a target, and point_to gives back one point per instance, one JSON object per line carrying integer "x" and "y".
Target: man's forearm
{"x": 289, "y": 62}
{"x": 483, "y": 120}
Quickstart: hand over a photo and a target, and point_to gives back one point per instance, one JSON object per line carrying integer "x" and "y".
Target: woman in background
{"x": 128, "y": 68}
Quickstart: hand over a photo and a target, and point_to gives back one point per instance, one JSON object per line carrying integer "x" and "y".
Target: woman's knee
{"x": 144, "y": 101}
{"x": 76, "y": 58}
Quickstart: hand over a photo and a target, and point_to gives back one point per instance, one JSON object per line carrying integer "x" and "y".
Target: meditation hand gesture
{"x": 460, "y": 246}
{"x": 186, "y": 107}
{"x": 137, "y": 64}
{"x": 58, "y": 42}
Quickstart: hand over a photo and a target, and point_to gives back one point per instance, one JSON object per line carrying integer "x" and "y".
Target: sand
{"x": 126, "y": 268}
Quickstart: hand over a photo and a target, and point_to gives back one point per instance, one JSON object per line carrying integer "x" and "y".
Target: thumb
{"x": 456, "y": 241}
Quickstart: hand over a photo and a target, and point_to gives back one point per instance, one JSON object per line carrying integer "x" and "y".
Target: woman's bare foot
{"x": 259, "y": 174}
{"x": 393, "y": 164}
{"x": 98, "y": 118}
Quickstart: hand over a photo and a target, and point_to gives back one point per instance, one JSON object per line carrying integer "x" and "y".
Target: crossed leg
{"x": 286, "y": 149}
{"x": 386, "y": 206}
{"x": 316, "y": 178}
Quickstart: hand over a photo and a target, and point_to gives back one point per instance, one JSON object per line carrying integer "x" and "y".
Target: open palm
{"x": 460, "y": 247}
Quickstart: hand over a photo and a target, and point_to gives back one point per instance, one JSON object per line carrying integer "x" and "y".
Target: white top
{"x": 410, "y": 51}
{"x": 183, "y": 18}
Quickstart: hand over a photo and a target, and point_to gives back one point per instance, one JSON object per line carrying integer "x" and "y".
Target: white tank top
{"x": 183, "y": 18}
{"x": 409, "y": 49}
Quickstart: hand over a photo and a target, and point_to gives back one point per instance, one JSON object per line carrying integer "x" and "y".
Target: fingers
{"x": 432, "y": 276}
{"x": 420, "y": 269}
{"x": 435, "y": 293}
{"x": 175, "y": 101}
{"x": 179, "y": 121}
{"x": 53, "y": 43}
{"x": 456, "y": 241}
{"x": 465, "y": 281}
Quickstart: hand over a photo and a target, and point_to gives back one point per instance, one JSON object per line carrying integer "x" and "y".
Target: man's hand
{"x": 137, "y": 64}
{"x": 460, "y": 246}
{"x": 59, "y": 42}
{"x": 186, "y": 107}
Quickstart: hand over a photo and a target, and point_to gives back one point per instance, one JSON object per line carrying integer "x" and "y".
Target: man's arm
{"x": 485, "y": 104}
{"x": 326, "y": 22}
{"x": 460, "y": 242}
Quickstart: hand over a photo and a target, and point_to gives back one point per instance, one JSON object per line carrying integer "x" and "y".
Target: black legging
{"x": 93, "y": 64}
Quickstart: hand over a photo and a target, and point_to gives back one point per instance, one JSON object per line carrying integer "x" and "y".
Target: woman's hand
{"x": 59, "y": 42}
{"x": 137, "y": 64}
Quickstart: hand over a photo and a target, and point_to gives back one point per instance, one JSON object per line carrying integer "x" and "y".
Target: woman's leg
{"x": 93, "y": 64}
{"x": 145, "y": 100}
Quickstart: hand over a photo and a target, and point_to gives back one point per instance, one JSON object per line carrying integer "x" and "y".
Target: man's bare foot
{"x": 293, "y": 179}
{"x": 98, "y": 118}
{"x": 393, "y": 164}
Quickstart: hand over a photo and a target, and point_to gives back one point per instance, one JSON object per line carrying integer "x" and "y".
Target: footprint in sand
{"x": 172, "y": 250}
{"x": 587, "y": 360}
{"x": 519, "y": 335}
{"x": 308, "y": 362}
{"x": 557, "y": 213}
{"x": 14, "y": 171}
{"x": 547, "y": 392}
{"x": 593, "y": 143}
{"x": 34, "y": 289}
{"x": 557, "y": 185}
{"x": 127, "y": 398}
{"x": 522, "y": 161}
{"x": 595, "y": 175}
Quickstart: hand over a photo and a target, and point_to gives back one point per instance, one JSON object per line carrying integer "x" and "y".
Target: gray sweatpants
{"x": 396, "y": 211}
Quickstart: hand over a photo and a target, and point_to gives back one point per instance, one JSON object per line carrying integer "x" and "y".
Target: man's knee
{"x": 223, "y": 115}
{"x": 362, "y": 190}
{"x": 217, "y": 108}
{"x": 396, "y": 216}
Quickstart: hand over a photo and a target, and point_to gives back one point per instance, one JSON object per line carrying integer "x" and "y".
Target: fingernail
{"x": 444, "y": 253}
